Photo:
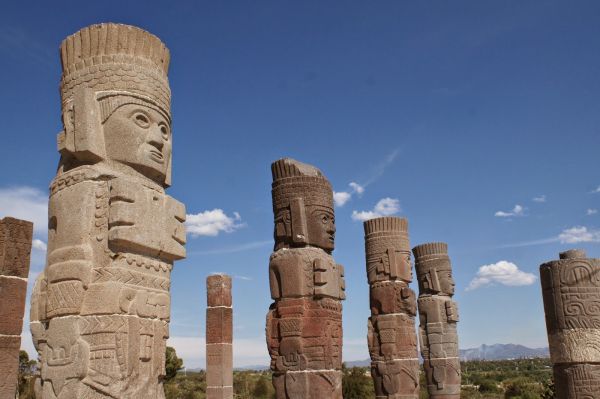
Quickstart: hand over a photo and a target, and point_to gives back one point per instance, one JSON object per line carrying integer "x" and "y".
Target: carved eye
{"x": 325, "y": 219}
{"x": 164, "y": 130}
{"x": 141, "y": 119}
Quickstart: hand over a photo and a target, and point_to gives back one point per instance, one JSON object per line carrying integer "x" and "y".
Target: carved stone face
{"x": 446, "y": 282}
{"x": 140, "y": 137}
{"x": 321, "y": 227}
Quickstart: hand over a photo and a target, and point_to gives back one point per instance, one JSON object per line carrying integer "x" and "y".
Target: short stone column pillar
{"x": 571, "y": 293}
{"x": 219, "y": 338}
{"x": 15, "y": 251}
{"x": 438, "y": 315}
{"x": 392, "y": 338}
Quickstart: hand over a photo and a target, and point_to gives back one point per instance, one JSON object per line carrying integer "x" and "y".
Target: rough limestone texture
{"x": 571, "y": 293}
{"x": 304, "y": 324}
{"x": 100, "y": 310}
{"x": 15, "y": 252}
{"x": 219, "y": 338}
{"x": 392, "y": 338}
{"x": 438, "y": 315}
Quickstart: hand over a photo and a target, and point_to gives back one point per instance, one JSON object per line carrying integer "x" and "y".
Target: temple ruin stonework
{"x": 304, "y": 324}
{"x": 219, "y": 338}
{"x": 392, "y": 338}
{"x": 100, "y": 310}
{"x": 15, "y": 251}
{"x": 571, "y": 293}
{"x": 438, "y": 315}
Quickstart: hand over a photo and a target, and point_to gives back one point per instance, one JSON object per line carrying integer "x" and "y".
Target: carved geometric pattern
{"x": 130, "y": 277}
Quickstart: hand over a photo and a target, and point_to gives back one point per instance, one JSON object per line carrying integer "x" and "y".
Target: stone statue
{"x": 219, "y": 338}
{"x": 304, "y": 324}
{"x": 571, "y": 292}
{"x": 100, "y": 310}
{"x": 15, "y": 251}
{"x": 392, "y": 339}
{"x": 438, "y": 315}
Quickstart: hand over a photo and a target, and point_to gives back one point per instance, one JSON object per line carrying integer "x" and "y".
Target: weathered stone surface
{"x": 15, "y": 251}
{"x": 219, "y": 337}
{"x": 571, "y": 293}
{"x": 392, "y": 339}
{"x": 438, "y": 316}
{"x": 304, "y": 324}
{"x": 100, "y": 309}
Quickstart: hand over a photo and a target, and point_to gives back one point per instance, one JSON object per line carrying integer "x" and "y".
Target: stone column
{"x": 219, "y": 338}
{"x": 101, "y": 308}
{"x": 571, "y": 292}
{"x": 438, "y": 315}
{"x": 392, "y": 338}
{"x": 15, "y": 251}
{"x": 304, "y": 324}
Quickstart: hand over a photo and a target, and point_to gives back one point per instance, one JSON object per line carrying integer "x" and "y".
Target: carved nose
{"x": 155, "y": 138}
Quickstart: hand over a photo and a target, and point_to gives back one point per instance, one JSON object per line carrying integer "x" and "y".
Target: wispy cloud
{"x": 591, "y": 212}
{"x": 381, "y": 167}
{"x": 233, "y": 249}
{"x": 341, "y": 197}
{"x": 211, "y": 223}
{"x": 597, "y": 190}
{"x": 26, "y": 203}
{"x": 385, "y": 207}
{"x": 518, "y": 210}
{"x": 572, "y": 235}
{"x": 502, "y": 272}
{"x": 541, "y": 198}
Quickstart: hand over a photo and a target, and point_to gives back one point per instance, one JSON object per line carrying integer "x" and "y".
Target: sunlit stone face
{"x": 321, "y": 227}
{"x": 446, "y": 282}
{"x": 140, "y": 137}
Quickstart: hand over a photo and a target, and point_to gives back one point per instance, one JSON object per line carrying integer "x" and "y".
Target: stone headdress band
{"x": 107, "y": 57}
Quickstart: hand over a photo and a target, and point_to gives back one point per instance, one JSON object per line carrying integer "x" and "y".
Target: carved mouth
{"x": 155, "y": 154}
{"x": 58, "y": 358}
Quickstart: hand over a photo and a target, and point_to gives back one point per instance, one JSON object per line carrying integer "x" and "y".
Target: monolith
{"x": 392, "y": 338}
{"x": 219, "y": 338}
{"x": 101, "y": 308}
{"x": 304, "y": 324}
{"x": 15, "y": 251}
{"x": 438, "y": 315}
{"x": 571, "y": 293}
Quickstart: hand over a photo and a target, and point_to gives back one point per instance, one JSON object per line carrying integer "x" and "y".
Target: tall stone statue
{"x": 438, "y": 315}
{"x": 304, "y": 324}
{"x": 219, "y": 338}
{"x": 392, "y": 338}
{"x": 571, "y": 293}
{"x": 15, "y": 251}
{"x": 100, "y": 310}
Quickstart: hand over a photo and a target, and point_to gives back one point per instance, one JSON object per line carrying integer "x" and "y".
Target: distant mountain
{"x": 502, "y": 352}
{"x": 485, "y": 352}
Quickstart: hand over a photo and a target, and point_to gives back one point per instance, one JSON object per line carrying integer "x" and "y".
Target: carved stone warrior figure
{"x": 100, "y": 310}
{"x": 392, "y": 339}
{"x": 304, "y": 324}
{"x": 438, "y": 315}
{"x": 15, "y": 251}
{"x": 571, "y": 292}
{"x": 219, "y": 337}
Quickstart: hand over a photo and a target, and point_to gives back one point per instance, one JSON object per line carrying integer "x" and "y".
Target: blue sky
{"x": 477, "y": 120}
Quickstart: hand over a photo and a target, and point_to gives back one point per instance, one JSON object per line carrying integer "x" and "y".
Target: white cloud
{"x": 503, "y": 272}
{"x": 579, "y": 234}
{"x": 357, "y": 188}
{"x": 541, "y": 198}
{"x": 385, "y": 207}
{"x": 26, "y": 203}
{"x": 597, "y": 190}
{"x": 211, "y": 223}
{"x": 340, "y": 198}
{"x": 518, "y": 210}
{"x": 39, "y": 245}
{"x": 591, "y": 212}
